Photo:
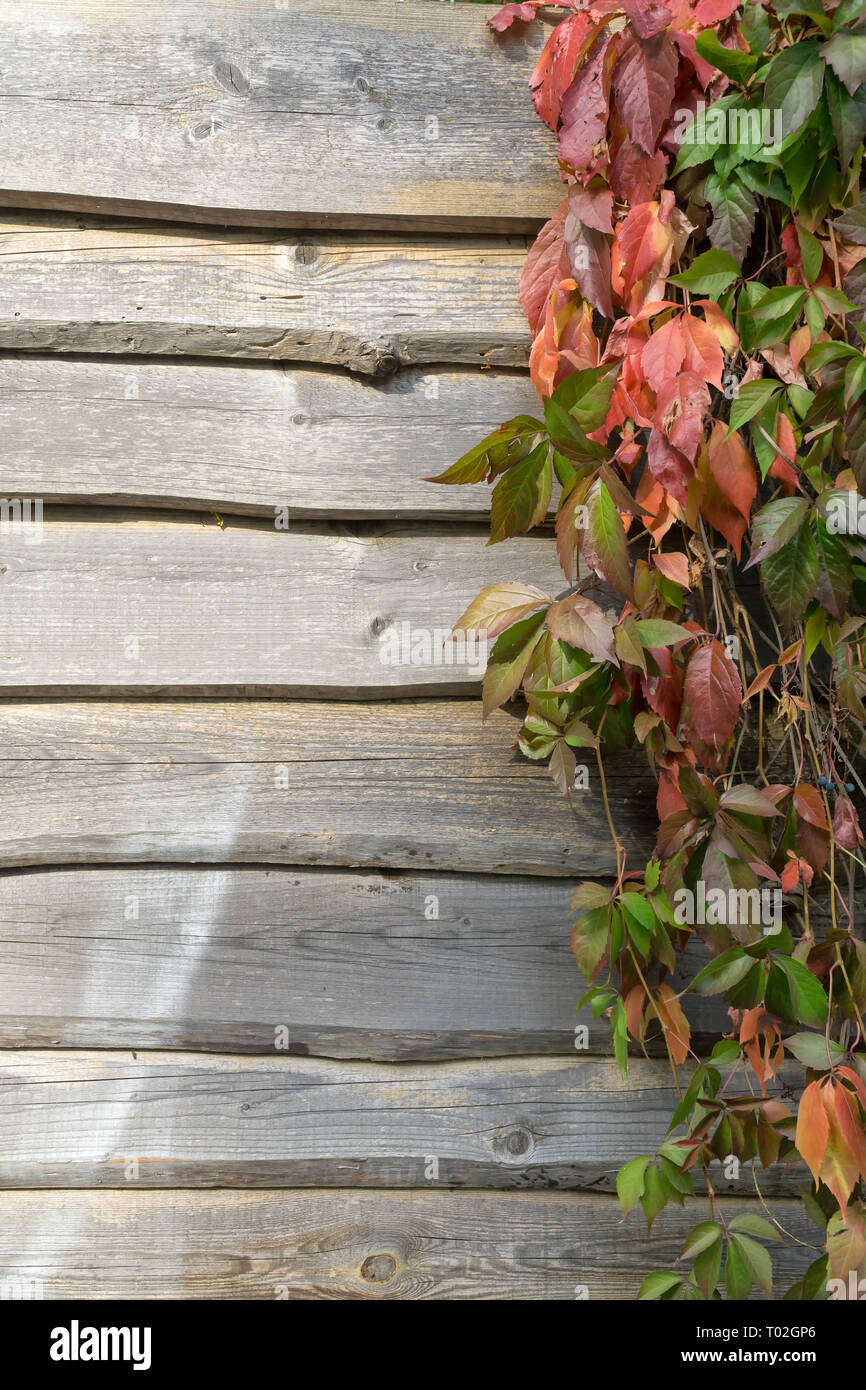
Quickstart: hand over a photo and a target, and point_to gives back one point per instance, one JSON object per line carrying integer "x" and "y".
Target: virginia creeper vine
{"x": 697, "y": 305}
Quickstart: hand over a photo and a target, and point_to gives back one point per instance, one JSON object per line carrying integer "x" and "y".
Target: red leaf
{"x": 733, "y": 469}
{"x": 593, "y": 207}
{"x": 634, "y": 176}
{"x": 664, "y": 353}
{"x": 846, "y": 827}
{"x": 682, "y": 404}
{"x": 668, "y": 466}
{"x": 642, "y": 239}
{"x": 647, "y": 17}
{"x": 546, "y": 265}
{"x": 674, "y": 565}
{"x": 813, "y": 1128}
{"x": 589, "y": 260}
{"x": 713, "y": 692}
{"x": 790, "y": 874}
{"x": 582, "y": 139}
{"x": 809, "y": 804}
{"x": 663, "y": 693}
{"x": 556, "y": 67}
{"x": 786, "y": 442}
{"x": 581, "y": 623}
{"x": 703, "y": 351}
{"x": 644, "y": 81}
{"x": 509, "y": 13}
{"x": 714, "y": 11}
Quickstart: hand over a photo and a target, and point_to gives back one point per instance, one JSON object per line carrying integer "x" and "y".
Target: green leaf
{"x": 812, "y": 253}
{"x": 734, "y": 209}
{"x": 589, "y": 940}
{"x": 660, "y": 1282}
{"x": 508, "y": 662}
{"x": 658, "y": 632}
{"x": 793, "y": 84}
{"x": 522, "y": 496}
{"x": 751, "y": 397}
{"x": 656, "y": 1195}
{"x": 586, "y": 395}
{"x": 723, "y": 972}
{"x": 700, "y": 1238}
{"x": 808, "y": 995}
{"x": 730, "y": 61}
{"x": 778, "y": 302}
{"x": 774, "y": 525}
{"x": 848, "y": 117}
{"x": 738, "y": 1280}
{"x": 753, "y": 1225}
{"x": 726, "y": 1050}
{"x": 757, "y": 1262}
{"x": 619, "y": 1033}
{"x": 811, "y": 1050}
{"x": 845, "y": 53}
{"x": 630, "y": 1182}
{"x": 604, "y": 546}
{"x": 710, "y": 273}
{"x": 790, "y": 577}
{"x": 707, "y": 1267}
{"x": 833, "y": 300}
{"x": 834, "y": 590}
{"x": 506, "y": 446}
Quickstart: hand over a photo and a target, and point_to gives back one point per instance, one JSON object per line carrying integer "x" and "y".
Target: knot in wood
{"x": 378, "y": 1269}
{"x": 306, "y": 253}
{"x": 512, "y": 1145}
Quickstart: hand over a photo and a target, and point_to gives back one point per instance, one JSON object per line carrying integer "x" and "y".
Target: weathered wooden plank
{"x": 349, "y": 1245}
{"x": 274, "y": 115}
{"x": 247, "y": 437}
{"x": 369, "y": 965}
{"x": 415, "y": 784}
{"x": 370, "y": 304}
{"x": 178, "y": 603}
{"x": 85, "y": 1119}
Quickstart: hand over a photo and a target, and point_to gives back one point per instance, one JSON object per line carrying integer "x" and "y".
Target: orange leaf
{"x": 760, "y": 681}
{"x": 677, "y": 1031}
{"x": 642, "y": 240}
{"x": 813, "y": 1127}
{"x": 840, "y": 1169}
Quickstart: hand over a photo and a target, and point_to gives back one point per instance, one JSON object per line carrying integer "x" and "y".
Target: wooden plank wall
{"x": 286, "y": 1000}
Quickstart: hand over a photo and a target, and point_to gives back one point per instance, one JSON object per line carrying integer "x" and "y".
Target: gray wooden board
{"x": 248, "y": 437}
{"x": 406, "y": 784}
{"x": 101, "y": 601}
{"x": 252, "y": 112}
{"x": 354, "y": 965}
{"x": 351, "y": 1245}
{"x": 368, "y": 303}
{"x": 79, "y": 1119}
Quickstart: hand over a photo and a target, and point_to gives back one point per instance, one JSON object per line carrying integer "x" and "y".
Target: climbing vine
{"x": 697, "y": 306}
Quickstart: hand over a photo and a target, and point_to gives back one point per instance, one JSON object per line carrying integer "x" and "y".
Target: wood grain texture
{"x": 372, "y": 304}
{"x": 248, "y": 437}
{"x": 350, "y": 1245}
{"x": 417, "y": 784}
{"x": 353, "y": 965}
{"x": 250, "y": 112}
{"x": 177, "y": 603}
{"x": 78, "y": 1119}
